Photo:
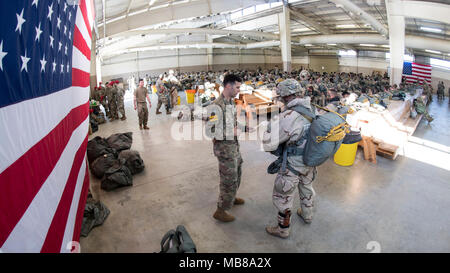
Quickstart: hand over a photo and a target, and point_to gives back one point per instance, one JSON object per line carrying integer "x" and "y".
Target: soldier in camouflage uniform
{"x": 120, "y": 100}
{"x": 111, "y": 92}
{"x": 223, "y": 128}
{"x": 163, "y": 96}
{"x": 103, "y": 98}
{"x": 288, "y": 137}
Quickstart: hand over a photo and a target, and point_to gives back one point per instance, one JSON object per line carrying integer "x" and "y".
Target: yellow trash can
{"x": 346, "y": 154}
{"x": 190, "y": 96}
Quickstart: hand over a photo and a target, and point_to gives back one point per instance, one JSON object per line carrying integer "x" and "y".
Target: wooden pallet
{"x": 373, "y": 147}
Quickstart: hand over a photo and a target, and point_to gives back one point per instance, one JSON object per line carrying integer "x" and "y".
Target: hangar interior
{"x": 399, "y": 204}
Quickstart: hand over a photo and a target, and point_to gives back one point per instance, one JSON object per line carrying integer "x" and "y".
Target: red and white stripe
{"x": 43, "y": 171}
{"x": 420, "y": 72}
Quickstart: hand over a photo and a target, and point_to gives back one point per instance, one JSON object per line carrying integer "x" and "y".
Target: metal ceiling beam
{"x": 411, "y": 41}
{"x": 349, "y": 6}
{"x": 422, "y": 10}
{"x": 309, "y": 21}
{"x": 201, "y": 45}
{"x": 181, "y": 11}
{"x": 129, "y": 7}
{"x": 198, "y": 30}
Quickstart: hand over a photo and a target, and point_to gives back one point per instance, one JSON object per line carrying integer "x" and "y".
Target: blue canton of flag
{"x": 36, "y": 41}
{"x": 407, "y": 68}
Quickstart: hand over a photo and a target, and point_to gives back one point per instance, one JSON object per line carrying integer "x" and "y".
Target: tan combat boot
{"x": 278, "y": 231}
{"x": 306, "y": 215}
{"x": 223, "y": 216}
{"x": 239, "y": 201}
{"x": 282, "y": 229}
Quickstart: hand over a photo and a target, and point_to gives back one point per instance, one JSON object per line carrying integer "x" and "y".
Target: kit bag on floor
{"x": 95, "y": 214}
{"x": 132, "y": 160}
{"x": 103, "y": 163}
{"x": 186, "y": 243}
{"x": 117, "y": 176}
{"x": 97, "y": 147}
{"x": 178, "y": 241}
{"x": 120, "y": 141}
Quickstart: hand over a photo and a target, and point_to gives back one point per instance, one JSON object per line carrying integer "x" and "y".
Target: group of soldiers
{"x": 111, "y": 97}
{"x": 167, "y": 87}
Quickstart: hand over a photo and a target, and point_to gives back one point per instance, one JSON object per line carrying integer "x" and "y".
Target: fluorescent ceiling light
{"x": 367, "y": 45}
{"x": 431, "y": 29}
{"x": 331, "y": 44}
{"x": 345, "y": 26}
{"x": 433, "y": 51}
{"x": 308, "y": 44}
{"x": 386, "y": 46}
{"x": 300, "y": 29}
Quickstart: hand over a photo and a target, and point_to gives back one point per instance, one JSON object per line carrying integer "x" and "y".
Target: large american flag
{"x": 415, "y": 71}
{"x": 45, "y": 51}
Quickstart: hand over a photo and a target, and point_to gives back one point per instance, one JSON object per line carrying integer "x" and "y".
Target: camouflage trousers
{"x": 142, "y": 113}
{"x": 162, "y": 99}
{"x": 120, "y": 106}
{"x": 284, "y": 188}
{"x": 113, "y": 109}
{"x": 230, "y": 171}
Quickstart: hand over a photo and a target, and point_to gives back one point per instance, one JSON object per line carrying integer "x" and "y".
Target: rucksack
{"x": 117, "y": 176}
{"x": 178, "y": 241}
{"x": 324, "y": 136}
{"x": 120, "y": 141}
{"x": 97, "y": 147}
{"x": 132, "y": 160}
{"x": 102, "y": 163}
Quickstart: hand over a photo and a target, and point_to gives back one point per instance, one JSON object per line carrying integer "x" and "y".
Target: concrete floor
{"x": 402, "y": 205}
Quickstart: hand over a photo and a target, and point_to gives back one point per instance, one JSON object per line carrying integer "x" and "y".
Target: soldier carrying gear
{"x": 163, "y": 95}
{"x": 286, "y": 137}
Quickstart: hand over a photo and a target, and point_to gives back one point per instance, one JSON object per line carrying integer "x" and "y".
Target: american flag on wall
{"x": 45, "y": 52}
{"x": 414, "y": 71}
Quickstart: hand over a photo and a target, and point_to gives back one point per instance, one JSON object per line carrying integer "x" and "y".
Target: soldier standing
{"x": 140, "y": 94}
{"x": 289, "y": 137}
{"x": 103, "y": 98}
{"x": 120, "y": 100}
{"x": 226, "y": 147}
{"x": 163, "y": 95}
{"x": 111, "y": 92}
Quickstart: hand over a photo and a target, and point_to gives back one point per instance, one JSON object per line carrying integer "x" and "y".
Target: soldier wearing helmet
{"x": 286, "y": 137}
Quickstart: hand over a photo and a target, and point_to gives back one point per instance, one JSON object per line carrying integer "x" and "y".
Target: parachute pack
{"x": 324, "y": 136}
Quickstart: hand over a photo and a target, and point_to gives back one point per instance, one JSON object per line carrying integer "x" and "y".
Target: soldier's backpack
{"x": 95, "y": 214}
{"x": 132, "y": 160}
{"x": 97, "y": 147}
{"x": 120, "y": 141}
{"x": 117, "y": 176}
{"x": 324, "y": 136}
{"x": 102, "y": 163}
{"x": 178, "y": 241}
